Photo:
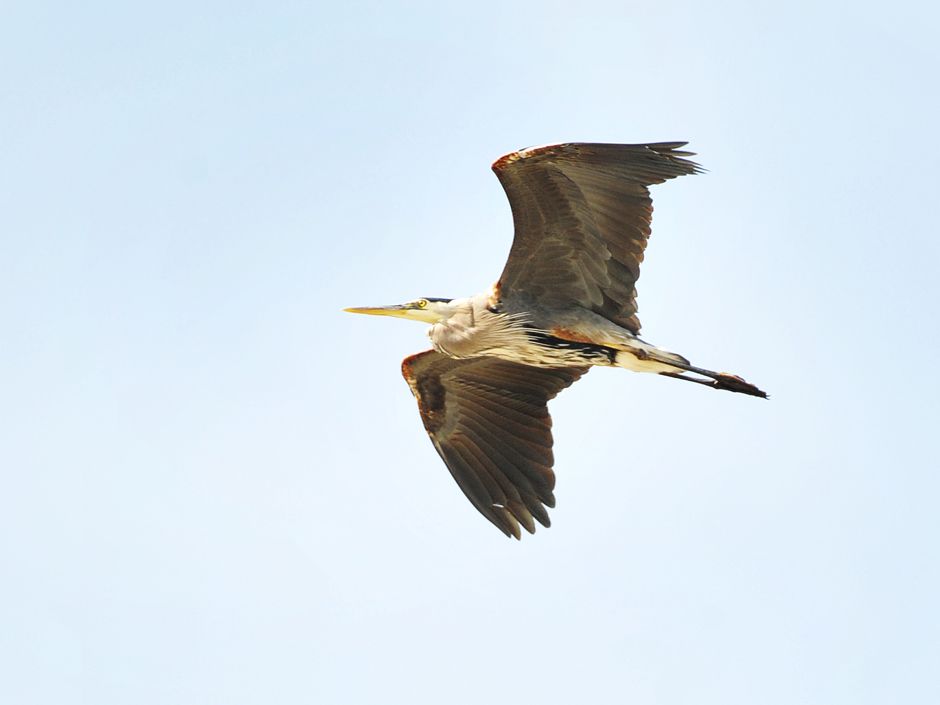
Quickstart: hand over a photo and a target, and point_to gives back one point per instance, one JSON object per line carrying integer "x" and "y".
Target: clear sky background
{"x": 215, "y": 485}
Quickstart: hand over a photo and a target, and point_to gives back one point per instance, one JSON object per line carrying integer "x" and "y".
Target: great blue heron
{"x": 566, "y": 301}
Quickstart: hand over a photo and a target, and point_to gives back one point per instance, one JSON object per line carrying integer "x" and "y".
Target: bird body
{"x": 477, "y": 326}
{"x": 565, "y": 302}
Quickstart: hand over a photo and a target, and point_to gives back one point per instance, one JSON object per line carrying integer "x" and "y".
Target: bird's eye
{"x": 422, "y": 303}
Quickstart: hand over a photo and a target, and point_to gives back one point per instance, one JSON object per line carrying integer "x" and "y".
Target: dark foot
{"x": 733, "y": 383}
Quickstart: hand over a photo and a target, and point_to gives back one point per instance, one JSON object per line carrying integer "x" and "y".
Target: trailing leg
{"x": 720, "y": 380}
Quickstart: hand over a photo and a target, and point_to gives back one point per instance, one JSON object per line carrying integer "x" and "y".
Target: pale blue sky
{"x": 216, "y": 488}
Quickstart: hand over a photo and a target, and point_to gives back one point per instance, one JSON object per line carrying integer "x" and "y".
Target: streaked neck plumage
{"x": 470, "y": 328}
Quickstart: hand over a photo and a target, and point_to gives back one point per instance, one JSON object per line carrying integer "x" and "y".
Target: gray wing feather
{"x": 582, "y": 217}
{"x": 488, "y": 419}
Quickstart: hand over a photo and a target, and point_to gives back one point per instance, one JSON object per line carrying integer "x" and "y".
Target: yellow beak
{"x": 395, "y": 311}
{"x": 407, "y": 311}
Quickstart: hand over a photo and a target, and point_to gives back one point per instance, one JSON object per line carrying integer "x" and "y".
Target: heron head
{"x": 425, "y": 310}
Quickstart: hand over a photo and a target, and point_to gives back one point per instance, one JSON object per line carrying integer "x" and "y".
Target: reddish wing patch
{"x": 573, "y": 336}
{"x": 506, "y": 160}
{"x": 427, "y": 389}
{"x": 496, "y": 295}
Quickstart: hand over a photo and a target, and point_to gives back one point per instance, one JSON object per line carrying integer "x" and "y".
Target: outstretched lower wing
{"x": 582, "y": 217}
{"x": 489, "y": 420}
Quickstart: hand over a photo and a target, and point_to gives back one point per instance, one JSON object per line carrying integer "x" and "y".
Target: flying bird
{"x": 565, "y": 302}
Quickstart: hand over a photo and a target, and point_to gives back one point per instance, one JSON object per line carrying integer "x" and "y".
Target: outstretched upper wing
{"x": 489, "y": 420}
{"x": 582, "y": 218}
